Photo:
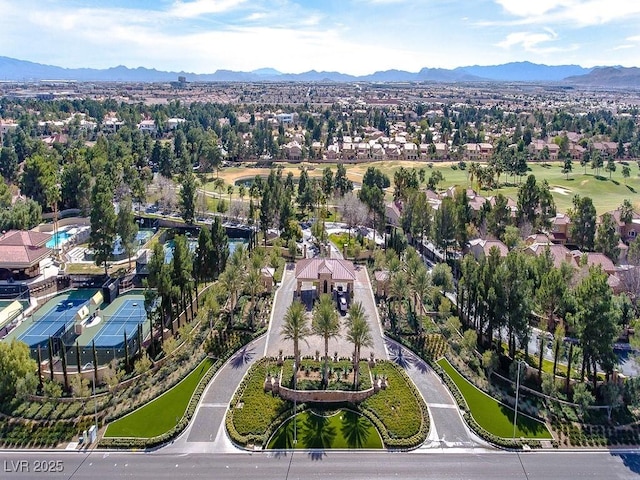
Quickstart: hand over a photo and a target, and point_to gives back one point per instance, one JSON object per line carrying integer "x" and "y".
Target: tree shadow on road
{"x": 398, "y": 355}
{"x": 241, "y": 358}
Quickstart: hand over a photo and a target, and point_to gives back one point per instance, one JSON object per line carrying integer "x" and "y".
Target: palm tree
{"x": 295, "y": 328}
{"x": 420, "y": 285}
{"x": 326, "y": 323}
{"x": 358, "y": 333}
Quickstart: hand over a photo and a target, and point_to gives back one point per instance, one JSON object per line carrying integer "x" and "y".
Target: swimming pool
{"x": 58, "y": 239}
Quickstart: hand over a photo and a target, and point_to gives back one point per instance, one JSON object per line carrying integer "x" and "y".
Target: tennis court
{"x": 128, "y": 311}
{"x": 55, "y": 318}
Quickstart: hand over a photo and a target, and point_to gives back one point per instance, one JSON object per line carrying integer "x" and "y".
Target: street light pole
{"x": 95, "y": 403}
{"x": 515, "y": 416}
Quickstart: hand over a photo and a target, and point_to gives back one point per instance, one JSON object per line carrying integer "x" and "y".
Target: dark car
{"x": 342, "y": 304}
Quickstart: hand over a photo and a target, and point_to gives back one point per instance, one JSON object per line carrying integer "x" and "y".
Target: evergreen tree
{"x": 607, "y": 238}
{"x": 127, "y": 227}
{"x": 188, "y": 192}
{"x": 583, "y": 223}
{"x": 103, "y": 222}
{"x": 220, "y": 248}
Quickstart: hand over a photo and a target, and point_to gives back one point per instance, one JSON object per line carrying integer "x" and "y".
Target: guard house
{"x": 325, "y": 274}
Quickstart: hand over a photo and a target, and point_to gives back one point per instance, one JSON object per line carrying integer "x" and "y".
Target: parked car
{"x": 342, "y": 304}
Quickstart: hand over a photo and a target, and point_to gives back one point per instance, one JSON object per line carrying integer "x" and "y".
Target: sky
{"x": 350, "y": 36}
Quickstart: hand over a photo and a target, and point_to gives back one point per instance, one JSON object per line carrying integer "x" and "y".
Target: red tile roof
{"x": 311, "y": 268}
{"x": 23, "y": 248}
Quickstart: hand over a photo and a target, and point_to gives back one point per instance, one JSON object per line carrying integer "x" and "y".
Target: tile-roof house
{"x": 626, "y": 231}
{"x": 22, "y": 250}
{"x": 480, "y": 248}
{"x": 325, "y": 272}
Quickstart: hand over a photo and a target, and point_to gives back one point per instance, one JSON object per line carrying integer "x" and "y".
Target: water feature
{"x": 58, "y": 239}
{"x": 342, "y": 429}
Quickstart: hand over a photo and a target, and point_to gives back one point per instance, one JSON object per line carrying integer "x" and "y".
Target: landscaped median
{"x": 489, "y": 418}
{"x": 398, "y": 412}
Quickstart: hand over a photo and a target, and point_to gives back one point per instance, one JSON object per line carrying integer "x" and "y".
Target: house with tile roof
{"x": 325, "y": 274}
{"x": 21, "y": 252}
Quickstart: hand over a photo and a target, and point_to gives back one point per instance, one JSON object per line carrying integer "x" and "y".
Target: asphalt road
{"x": 319, "y": 464}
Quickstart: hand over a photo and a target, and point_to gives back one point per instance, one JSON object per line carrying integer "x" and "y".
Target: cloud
{"x": 624, "y": 47}
{"x": 198, "y": 8}
{"x": 521, "y": 8}
{"x": 577, "y": 13}
{"x": 527, "y": 40}
{"x": 635, "y": 38}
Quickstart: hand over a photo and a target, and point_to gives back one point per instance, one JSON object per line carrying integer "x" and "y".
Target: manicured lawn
{"x": 160, "y": 415}
{"x": 606, "y": 194}
{"x": 344, "y": 429}
{"x": 491, "y": 415}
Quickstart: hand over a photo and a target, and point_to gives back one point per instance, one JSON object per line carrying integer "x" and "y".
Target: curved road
{"x": 204, "y": 451}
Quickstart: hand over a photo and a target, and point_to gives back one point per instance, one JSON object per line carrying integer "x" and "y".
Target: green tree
{"x": 15, "y": 363}
{"x": 607, "y": 238}
{"x": 254, "y": 287}
{"x": 443, "y": 228}
{"x": 188, "y": 192}
{"x": 583, "y": 397}
{"x": 103, "y": 222}
{"x": 595, "y": 322}
{"x": 8, "y": 164}
{"x": 220, "y": 248}
{"x": 583, "y": 223}
{"x": 202, "y": 268}
{"x": 626, "y": 172}
{"x": 296, "y": 328}
{"x": 490, "y": 361}
{"x": 359, "y": 334}
{"x": 182, "y": 269}
{"x": 40, "y": 174}
{"x": 325, "y": 323}
{"x": 611, "y": 167}
{"x": 127, "y": 227}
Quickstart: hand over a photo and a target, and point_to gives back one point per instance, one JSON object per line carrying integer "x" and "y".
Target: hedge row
{"x": 386, "y": 427}
{"x": 255, "y": 424}
{"x": 135, "y": 443}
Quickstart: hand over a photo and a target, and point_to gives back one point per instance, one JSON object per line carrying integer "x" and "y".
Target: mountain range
{"x": 20, "y": 70}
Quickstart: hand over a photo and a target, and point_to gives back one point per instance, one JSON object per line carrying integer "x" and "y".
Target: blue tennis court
{"x": 124, "y": 319}
{"x": 55, "y": 320}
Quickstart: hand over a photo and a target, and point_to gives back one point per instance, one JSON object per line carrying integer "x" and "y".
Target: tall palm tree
{"x": 326, "y": 323}
{"x": 295, "y": 328}
{"x": 420, "y": 285}
{"x": 358, "y": 333}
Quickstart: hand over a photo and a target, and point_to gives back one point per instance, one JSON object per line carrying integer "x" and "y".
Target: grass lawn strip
{"x": 493, "y": 416}
{"x": 162, "y": 414}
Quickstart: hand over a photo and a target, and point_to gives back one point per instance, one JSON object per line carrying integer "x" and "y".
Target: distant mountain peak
{"x": 524, "y": 71}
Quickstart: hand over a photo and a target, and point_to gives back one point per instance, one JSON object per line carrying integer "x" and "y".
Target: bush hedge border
{"x": 408, "y": 443}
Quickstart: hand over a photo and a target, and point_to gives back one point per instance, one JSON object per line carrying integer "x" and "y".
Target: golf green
{"x": 343, "y": 429}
